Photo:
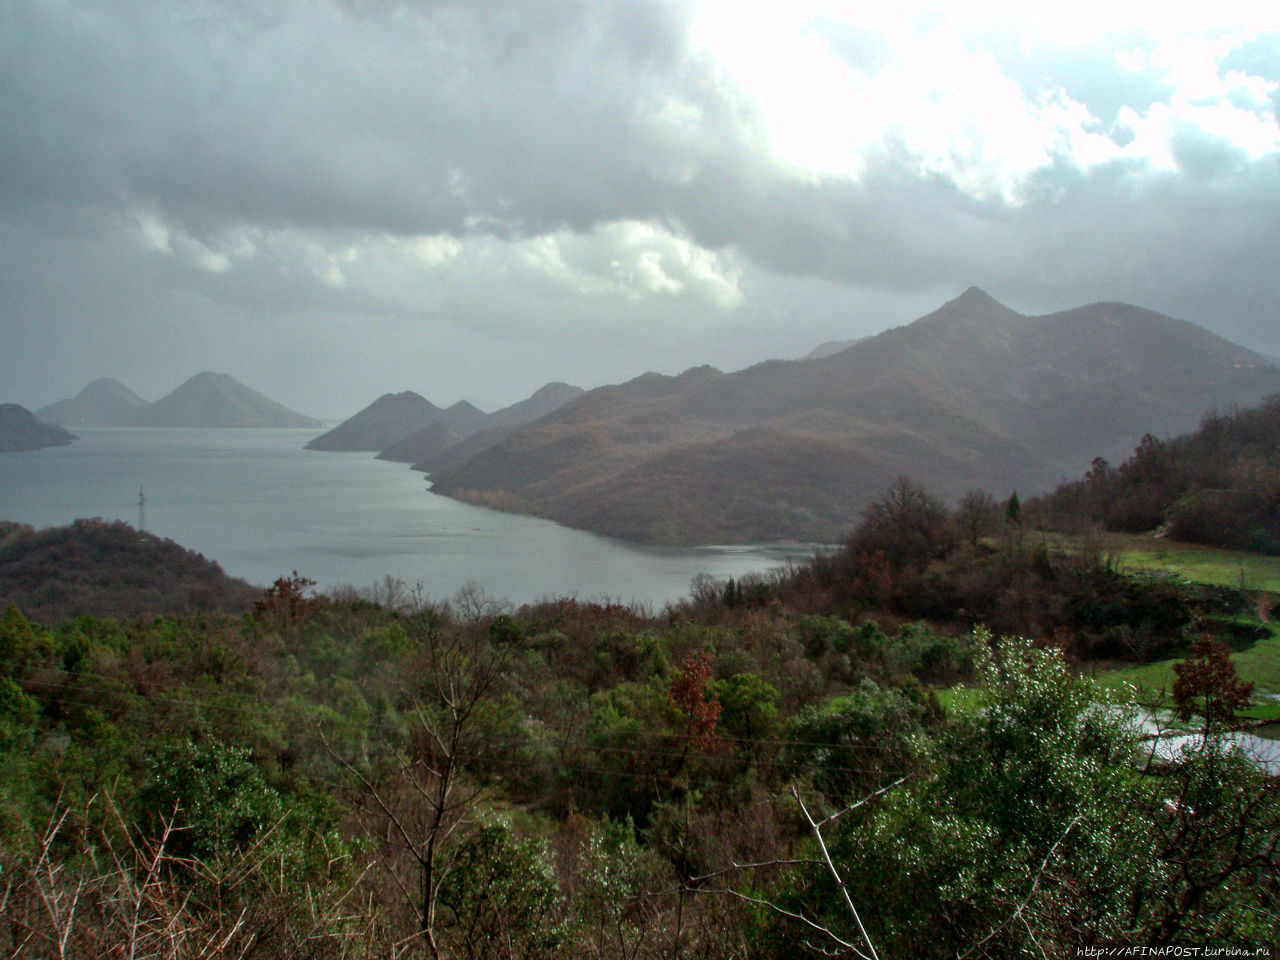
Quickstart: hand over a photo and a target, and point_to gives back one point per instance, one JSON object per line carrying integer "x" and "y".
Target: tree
{"x": 976, "y": 515}
{"x": 1013, "y": 510}
{"x": 906, "y": 523}
{"x": 500, "y": 897}
{"x": 1206, "y": 684}
{"x": 418, "y": 795}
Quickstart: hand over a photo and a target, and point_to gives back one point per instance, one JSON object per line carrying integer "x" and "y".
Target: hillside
{"x": 20, "y": 429}
{"x": 972, "y": 395}
{"x": 544, "y": 400}
{"x": 109, "y": 569}
{"x": 600, "y": 780}
{"x": 103, "y": 403}
{"x": 1218, "y": 486}
{"x": 422, "y": 445}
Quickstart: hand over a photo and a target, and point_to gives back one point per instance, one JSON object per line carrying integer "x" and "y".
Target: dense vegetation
{"x": 1218, "y": 486}
{"x": 108, "y": 568}
{"x": 763, "y": 771}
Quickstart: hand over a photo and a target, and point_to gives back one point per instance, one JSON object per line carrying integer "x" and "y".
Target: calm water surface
{"x": 261, "y": 506}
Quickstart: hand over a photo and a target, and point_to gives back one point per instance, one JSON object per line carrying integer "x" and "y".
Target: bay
{"x": 262, "y": 506}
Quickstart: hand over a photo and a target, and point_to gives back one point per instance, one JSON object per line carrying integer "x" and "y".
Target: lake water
{"x": 262, "y": 506}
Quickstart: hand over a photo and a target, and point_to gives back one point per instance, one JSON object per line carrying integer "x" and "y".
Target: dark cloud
{"x": 179, "y": 178}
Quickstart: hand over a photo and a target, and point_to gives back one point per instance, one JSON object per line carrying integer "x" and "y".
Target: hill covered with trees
{"x": 106, "y": 568}
{"x": 1218, "y": 486}
{"x": 22, "y": 430}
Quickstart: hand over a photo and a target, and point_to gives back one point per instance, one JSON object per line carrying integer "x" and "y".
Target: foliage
{"x": 110, "y": 569}
{"x": 1219, "y": 486}
{"x": 335, "y": 777}
{"x": 1206, "y": 685}
{"x": 500, "y": 898}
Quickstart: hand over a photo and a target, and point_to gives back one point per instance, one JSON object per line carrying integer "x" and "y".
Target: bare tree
{"x": 424, "y": 789}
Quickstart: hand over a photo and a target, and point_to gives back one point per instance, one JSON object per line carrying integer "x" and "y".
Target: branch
{"x": 759, "y": 901}
{"x": 865, "y": 800}
{"x": 826, "y": 855}
{"x": 1044, "y": 865}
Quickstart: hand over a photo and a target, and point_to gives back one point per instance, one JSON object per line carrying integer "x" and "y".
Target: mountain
{"x": 103, "y": 403}
{"x": 217, "y": 400}
{"x": 206, "y": 400}
{"x": 428, "y": 455}
{"x": 464, "y": 417}
{"x": 972, "y": 395}
{"x": 400, "y": 425}
{"x": 109, "y": 569}
{"x": 20, "y": 429}
{"x": 390, "y": 418}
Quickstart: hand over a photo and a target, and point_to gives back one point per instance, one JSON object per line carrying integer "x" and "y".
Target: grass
{"x": 1228, "y": 568}
{"x": 1259, "y": 663}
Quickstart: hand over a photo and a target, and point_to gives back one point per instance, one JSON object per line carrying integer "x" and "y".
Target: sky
{"x": 333, "y": 199}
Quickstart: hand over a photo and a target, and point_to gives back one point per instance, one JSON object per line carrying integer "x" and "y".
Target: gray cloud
{"x": 560, "y": 190}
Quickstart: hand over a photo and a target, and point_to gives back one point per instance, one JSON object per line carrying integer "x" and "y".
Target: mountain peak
{"x": 212, "y": 399}
{"x": 973, "y": 306}
{"x": 103, "y": 403}
{"x": 975, "y": 297}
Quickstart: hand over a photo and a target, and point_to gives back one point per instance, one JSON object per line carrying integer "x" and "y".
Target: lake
{"x": 262, "y": 506}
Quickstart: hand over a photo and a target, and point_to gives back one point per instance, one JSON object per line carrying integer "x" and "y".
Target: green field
{"x": 1257, "y": 574}
{"x": 1230, "y": 568}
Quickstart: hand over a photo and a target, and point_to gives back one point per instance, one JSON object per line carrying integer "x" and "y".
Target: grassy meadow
{"x": 1257, "y": 662}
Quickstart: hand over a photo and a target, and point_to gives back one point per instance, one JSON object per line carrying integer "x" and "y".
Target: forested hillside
{"x": 107, "y": 568}
{"x": 1218, "y": 486}
{"x": 388, "y": 776}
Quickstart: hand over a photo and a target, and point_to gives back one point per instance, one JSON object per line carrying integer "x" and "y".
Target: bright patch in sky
{"x": 837, "y": 85}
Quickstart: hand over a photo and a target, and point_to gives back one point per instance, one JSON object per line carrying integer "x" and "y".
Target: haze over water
{"x": 261, "y": 506}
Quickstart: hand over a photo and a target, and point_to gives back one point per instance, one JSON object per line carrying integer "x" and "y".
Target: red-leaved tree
{"x": 1207, "y": 685}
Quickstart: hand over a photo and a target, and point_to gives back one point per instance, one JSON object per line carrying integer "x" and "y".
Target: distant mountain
{"x": 217, "y": 400}
{"x": 109, "y": 569}
{"x": 103, "y": 403}
{"x": 464, "y": 418}
{"x": 430, "y": 457}
{"x": 206, "y": 400}
{"x": 972, "y": 395}
{"x": 20, "y": 429}
{"x": 399, "y": 424}
{"x": 390, "y": 418}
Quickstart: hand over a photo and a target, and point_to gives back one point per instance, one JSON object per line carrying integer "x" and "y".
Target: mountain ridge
{"x": 105, "y": 402}
{"x": 403, "y": 426}
{"x": 973, "y": 394}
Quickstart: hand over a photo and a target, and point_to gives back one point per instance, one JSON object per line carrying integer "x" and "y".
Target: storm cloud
{"x": 330, "y": 200}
